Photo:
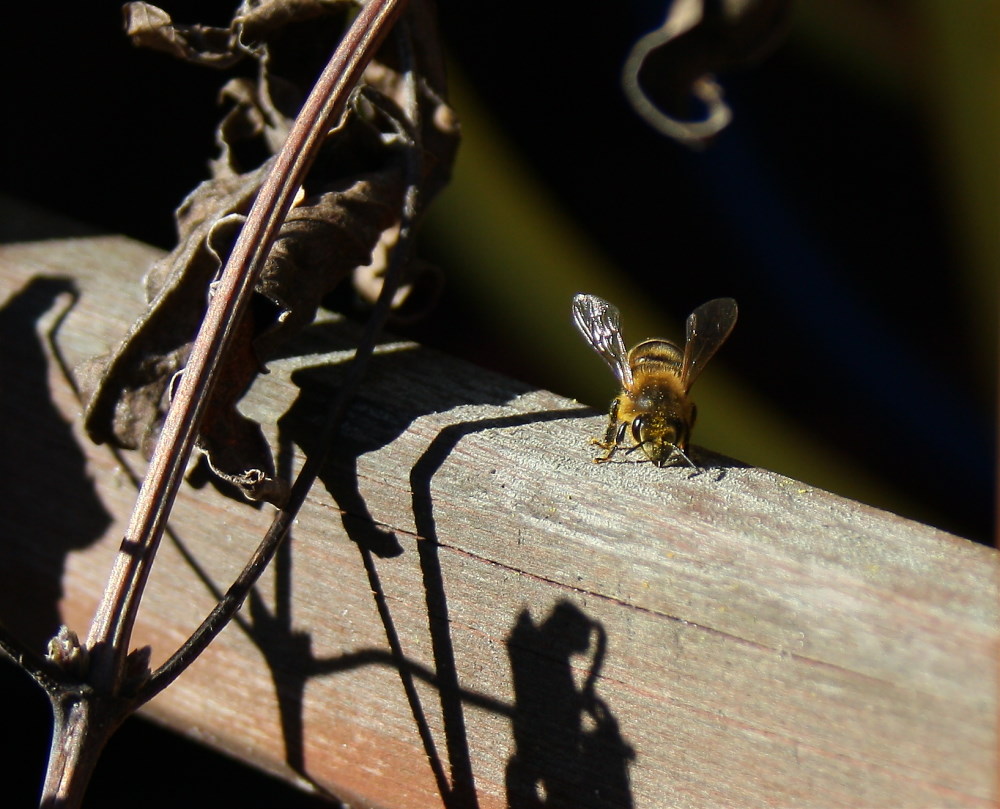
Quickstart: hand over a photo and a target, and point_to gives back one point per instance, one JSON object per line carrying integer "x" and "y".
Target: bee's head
{"x": 663, "y": 439}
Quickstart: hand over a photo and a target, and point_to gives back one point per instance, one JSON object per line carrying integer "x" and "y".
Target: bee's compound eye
{"x": 637, "y": 426}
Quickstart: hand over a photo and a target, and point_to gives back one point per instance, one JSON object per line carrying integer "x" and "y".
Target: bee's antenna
{"x": 675, "y": 450}
{"x": 678, "y": 451}
{"x": 681, "y": 452}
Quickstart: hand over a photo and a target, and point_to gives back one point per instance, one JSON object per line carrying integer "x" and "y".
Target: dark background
{"x": 829, "y": 209}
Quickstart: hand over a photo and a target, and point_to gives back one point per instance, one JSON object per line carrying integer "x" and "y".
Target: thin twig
{"x": 230, "y": 603}
{"x": 86, "y": 716}
{"x": 26, "y": 659}
{"x": 112, "y": 626}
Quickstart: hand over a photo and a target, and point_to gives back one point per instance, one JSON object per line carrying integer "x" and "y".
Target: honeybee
{"x": 653, "y": 410}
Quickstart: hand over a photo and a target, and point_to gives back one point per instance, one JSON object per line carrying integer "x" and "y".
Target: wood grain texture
{"x": 470, "y": 607}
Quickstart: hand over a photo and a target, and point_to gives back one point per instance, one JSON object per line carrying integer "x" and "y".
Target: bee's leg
{"x": 612, "y": 436}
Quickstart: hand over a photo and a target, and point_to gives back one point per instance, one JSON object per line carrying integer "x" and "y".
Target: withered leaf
{"x": 669, "y": 76}
{"x": 350, "y": 203}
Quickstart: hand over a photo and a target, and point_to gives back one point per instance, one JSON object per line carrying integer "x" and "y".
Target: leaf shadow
{"x": 289, "y": 652}
{"x": 53, "y": 507}
{"x": 569, "y": 752}
{"x": 421, "y": 475}
{"x": 372, "y": 429}
{"x": 401, "y": 371}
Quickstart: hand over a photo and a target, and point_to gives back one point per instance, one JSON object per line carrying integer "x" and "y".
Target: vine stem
{"x": 283, "y": 519}
{"x": 80, "y": 733}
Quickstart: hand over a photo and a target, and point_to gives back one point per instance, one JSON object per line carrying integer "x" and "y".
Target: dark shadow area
{"x": 22, "y": 221}
{"x": 421, "y": 477}
{"x": 408, "y": 371}
{"x": 303, "y": 424}
{"x": 373, "y": 426}
{"x": 51, "y": 507}
{"x": 569, "y": 752}
{"x": 434, "y": 589}
{"x": 24, "y": 734}
{"x": 143, "y": 764}
{"x": 288, "y": 652}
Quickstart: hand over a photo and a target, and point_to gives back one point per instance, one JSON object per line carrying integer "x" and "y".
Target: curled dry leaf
{"x": 349, "y": 205}
{"x": 669, "y": 76}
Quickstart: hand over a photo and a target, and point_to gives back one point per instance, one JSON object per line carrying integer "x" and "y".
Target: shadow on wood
{"x": 568, "y": 747}
{"x": 472, "y": 613}
{"x": 42, "y": 467}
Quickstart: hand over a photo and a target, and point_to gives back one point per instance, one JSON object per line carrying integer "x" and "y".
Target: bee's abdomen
{"x": 657, "y": 352}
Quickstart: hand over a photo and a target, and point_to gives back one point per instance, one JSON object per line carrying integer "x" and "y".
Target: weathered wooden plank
{"x": 468, "y": 602}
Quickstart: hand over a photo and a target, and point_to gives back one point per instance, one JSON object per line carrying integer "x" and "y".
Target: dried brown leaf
{"x": 151, "y": 27}
{"x": 349, "y": 205}
{"x": 669, "y": 76}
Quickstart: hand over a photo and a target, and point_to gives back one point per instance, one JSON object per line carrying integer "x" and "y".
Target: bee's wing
{"x": 708, "y": 326}
{"x": 600, "y": 324}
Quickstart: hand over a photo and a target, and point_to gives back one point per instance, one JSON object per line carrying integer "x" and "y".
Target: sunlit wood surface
{"x": 471, "y": 613}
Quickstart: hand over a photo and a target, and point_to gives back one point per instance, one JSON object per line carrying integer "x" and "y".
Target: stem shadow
{"x": 291, "y": 659}
{"x": 406, "y": 369}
